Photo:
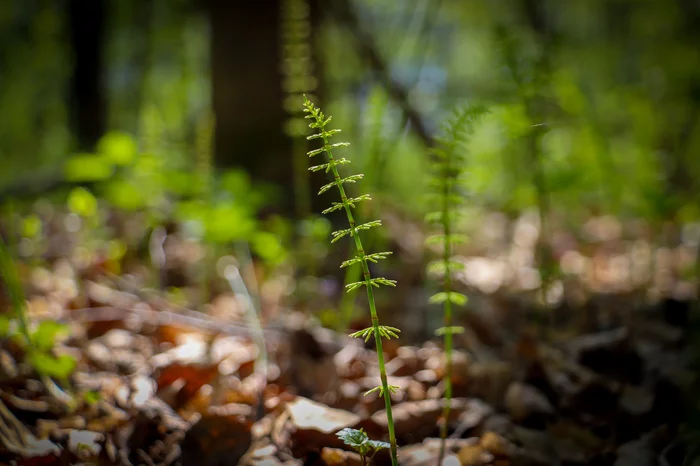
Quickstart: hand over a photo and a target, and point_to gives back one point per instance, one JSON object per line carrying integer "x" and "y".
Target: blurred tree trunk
{"x": 88, "y": 112}
{"x": 247, "y": 91}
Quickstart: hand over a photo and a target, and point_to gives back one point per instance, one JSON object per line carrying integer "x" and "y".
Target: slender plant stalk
{"x": 447, "y": 319}
{"x": 448, "y": 171}
{"x": 253, "y": 316}
{"x": 319, "y": 122}
{"x": 15, "y": 292}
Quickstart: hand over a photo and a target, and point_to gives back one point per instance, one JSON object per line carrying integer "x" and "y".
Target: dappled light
{"x": 349, "y": 232}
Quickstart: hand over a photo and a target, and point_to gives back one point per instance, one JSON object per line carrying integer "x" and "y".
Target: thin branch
{"x": 346, "y": 16}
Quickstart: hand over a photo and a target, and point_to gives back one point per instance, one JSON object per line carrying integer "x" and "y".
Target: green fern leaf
{"x": 439, "y": 240}
{"x": 455, "y": 298}
{"x": 454, "y": 329}
{"x": 365, "y": 334}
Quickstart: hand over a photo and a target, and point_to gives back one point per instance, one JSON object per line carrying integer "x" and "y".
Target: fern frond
{"x": 334, "y": 206}
{"x": 347, "y": 179}
{"x": 454, "y": 329}
{"x": 441, "y": 240}
{"x": 439, "y": 217}
{"x": 326, "y": 148}
{"x": 389, "y": 332}
{"x": 340, "y": 233}
{"x": 448, "y": 165}
{"x": 384, "y": 331}
{"x": 452, "y": 296}
{"x": 319, "y": 121}
{"x": 368, "y": 225}
{"x": 351, "y": 201}
{"x": 346, "y": 203}
{"x": 327, "y": 166}
{"x": 323, "y": 134}
{"x": 349, "y": 231}
{"x": 365, "y": 334}
{"x": 442, "y": 267}
{"x": 380, "y": 389}
{"x": 375, "y": 282}
{"x": 375, "y": 257}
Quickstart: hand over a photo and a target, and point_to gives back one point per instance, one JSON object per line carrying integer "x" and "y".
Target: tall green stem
{"x": 447, "y": 316}
{"x": 372, "y": 307}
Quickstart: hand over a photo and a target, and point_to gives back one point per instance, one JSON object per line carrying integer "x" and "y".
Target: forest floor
{"x": 156, "y": 384}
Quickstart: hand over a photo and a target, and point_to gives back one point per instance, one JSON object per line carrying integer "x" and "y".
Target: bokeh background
{"x": 155, "y": 146}
{"x": 132, "y": 117}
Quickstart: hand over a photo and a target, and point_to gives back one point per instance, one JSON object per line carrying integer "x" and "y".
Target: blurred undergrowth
{"x": 584, "y": 169}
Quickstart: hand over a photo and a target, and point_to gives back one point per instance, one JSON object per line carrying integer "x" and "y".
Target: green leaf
{"x": 353, "y": 437}
{"x": 349, "y": 179}
{"x": 334, "y": 206}
{"x": 353, "y": 286}
{"x": 229, "y": 222}
{"x": 4, "y": 326}
{"x": 117, "y": 147}
{"x": 455, "y": 329}
{"x": 380, "y": 389}
{"x": 31, "y": 226}
{"x": 441, "y": 267}
{"x": 378, "y": 445}
{"x": 389, "y": 332}
{"x": 91, "y": 397}
{"x": 46, "y": 364}
{"x": 350, "y": 262}
{"x": 357, "y": 439}
{"x": 44, "y": 337}
{"x": 125, "y": 195}
{"x": 438, "y": 298}
{"x": 455, "y": 298}
{"x": 375, "y": 257}
{"x": 351, "y": 201}
{"x": 327, "y": 166}
{"x": 87, "y": 167}
{"x": 313, "y": 152}
{"x": 368, "y": 225}
{"x": 375, "y": 282}
{"x": 339, "y": 234}
{"x": 365, "y": 334}
{"x": 317, "y": 168}
{"x": 82, "y": 202}
{"x": 435, "y": 240}
{"x": 269, "y": 247}
{"x": 323, "y": 134}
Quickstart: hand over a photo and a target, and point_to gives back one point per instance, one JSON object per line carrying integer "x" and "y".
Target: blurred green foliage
{"x": 613, "y": 83}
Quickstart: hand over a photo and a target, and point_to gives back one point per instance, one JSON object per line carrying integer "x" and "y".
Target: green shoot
{"x": 39, "y": 343}
{"x": 319, "y": 123}
{"x": 449, "y": 163}
{"x": 361, "y": 443}
{"x": 14, "y": 291}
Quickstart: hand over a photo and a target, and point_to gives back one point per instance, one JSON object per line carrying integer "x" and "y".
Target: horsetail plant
{"x": 448, "y": 169}
{"x": 319, "y": 122}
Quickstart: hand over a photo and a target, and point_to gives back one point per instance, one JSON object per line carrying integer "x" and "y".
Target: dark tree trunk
{"x": 247, "y": 91}
{"x": 88, "y": 112}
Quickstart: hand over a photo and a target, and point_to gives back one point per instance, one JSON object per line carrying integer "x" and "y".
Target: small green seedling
{"x": 38, "y": 343}
{"x": 319, "y": 122}
{"x": 361, "y": 443}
